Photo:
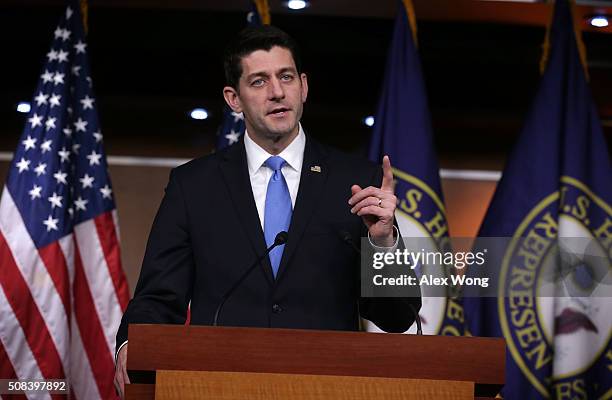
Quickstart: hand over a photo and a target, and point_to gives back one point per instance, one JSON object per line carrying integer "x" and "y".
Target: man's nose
{"x": 276, "y": 90}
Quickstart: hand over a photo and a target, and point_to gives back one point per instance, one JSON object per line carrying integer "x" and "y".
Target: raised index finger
{"x": 387, "y": 180}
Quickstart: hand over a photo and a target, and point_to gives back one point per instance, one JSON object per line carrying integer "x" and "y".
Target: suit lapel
{"x": 312, "y": 182}
{"x": 235, "y": 172}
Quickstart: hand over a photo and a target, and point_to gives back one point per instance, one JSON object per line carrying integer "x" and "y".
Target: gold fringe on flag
{"x": 264, "y": 11}
{"x": 577, "y": 34}
{"x": 411, "y": 20}
{"x": 84, "y": 13}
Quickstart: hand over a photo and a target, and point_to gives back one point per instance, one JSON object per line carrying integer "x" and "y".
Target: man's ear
{"x": 231, "y": 98}
{"x": 304, "y": 80}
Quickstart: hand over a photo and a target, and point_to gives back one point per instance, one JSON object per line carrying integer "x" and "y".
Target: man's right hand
{"x": 121, "y": 376}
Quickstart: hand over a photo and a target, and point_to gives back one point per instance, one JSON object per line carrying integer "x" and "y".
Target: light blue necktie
{"x": 277, "y": 216}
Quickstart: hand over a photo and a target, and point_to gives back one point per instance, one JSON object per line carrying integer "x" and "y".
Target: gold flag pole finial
{"x": 411, "y": 20}
{"x": 264, "y": 11}
{"x": 577, "y": 34}
{"x": 84, "y": 13}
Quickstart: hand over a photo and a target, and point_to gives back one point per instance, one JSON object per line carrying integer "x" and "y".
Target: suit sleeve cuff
{"x": 118, "y": 350}
{"x": 384, "y": 249}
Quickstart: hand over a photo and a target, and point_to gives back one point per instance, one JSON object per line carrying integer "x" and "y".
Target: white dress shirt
{"x": 260, "y": 174}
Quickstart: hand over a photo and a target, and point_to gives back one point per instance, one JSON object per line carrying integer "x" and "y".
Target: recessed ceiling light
{"x": 369, "y": 120}
{"x": 199, "y": 113}
{"x": 599, "y": 21}
{"x": 24, "y": 107}
{"x": 297, "y": 4}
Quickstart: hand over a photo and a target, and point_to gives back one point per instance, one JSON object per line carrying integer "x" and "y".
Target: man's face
{"x": 271, "y": 94}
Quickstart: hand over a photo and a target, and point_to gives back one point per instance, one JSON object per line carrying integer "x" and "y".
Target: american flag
{"x": 63, "y": 290}
{"x": 232, "y": 124}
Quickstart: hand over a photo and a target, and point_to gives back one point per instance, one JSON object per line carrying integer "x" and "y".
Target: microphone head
{"x": 281, "y": 238}
{"x": 346, "y": 237}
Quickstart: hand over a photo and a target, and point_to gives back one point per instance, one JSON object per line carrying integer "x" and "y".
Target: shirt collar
{"x": 292, "y": 154}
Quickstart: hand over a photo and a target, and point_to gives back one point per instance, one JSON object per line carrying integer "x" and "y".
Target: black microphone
{"x": 417, "y": 318}
{"x": 281, "y": 238}
{"x": 348, "y": 239}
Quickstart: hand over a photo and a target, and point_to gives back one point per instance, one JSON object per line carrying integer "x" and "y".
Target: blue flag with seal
{"x": 555, "y": 194}
{"x": 402, "y": 130}
{"x": 232, "y": 123}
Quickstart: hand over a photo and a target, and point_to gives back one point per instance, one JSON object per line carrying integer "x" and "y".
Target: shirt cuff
{"x": 383, "y": 248}
{"x": 118, "y": 350}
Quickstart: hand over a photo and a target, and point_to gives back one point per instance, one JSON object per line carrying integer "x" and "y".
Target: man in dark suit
{"x": 220, "y": 212}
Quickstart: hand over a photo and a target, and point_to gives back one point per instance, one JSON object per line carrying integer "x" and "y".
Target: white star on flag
{"x": 69, "y": 12}
{"x": 67, "y": 131}
{"x": 35, "y": 192}
{"x": 75, "y": 70}
{"x": 94, "y": 158}
{"x": 80, "y": 125}
{"x": 87, "y": 102}
{"x": 98, "y": 136}
{"x": 80, "y": 204}
{"x": 62, "y": 56}
{"x": 40, "y": 169}
{"x": 106, "y": 192}
{"x": 51, "y": 223}
{"x": 60, "y": 177}
{"x": 46, "y": 146}
{"x": 41, "y": 99}
{"x": 55, "y": 200}
{"x": 23, "y": 165}
{"x": 237, "y": 116}
{"x": 58, "y": 78}
{"x": 80, "y": 47}
{"x": 233, "y": 137}
{"x": 52, "y": 55}
{"x": 59, "y": 32}
{"x": 47, "y": 77}
{"x": 75, "y": 148}
{"x": 65, "y": 35}
{"x": 50, "y": 123}
{"x": 29, "y": 142}
{"x": 35, "y": 120}
{"x": 64, "y": 154}
{"x": 55, "y": 100}
{"x": 87, "y": 181}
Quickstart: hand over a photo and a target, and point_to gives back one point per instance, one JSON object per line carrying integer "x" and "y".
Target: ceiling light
{"x": 199, "y": 113}
{"x": 599, "y": 21}
{"x": 369, "y": 120}
{"x": 297, "y": 4}
{"x": 23, "y": 107}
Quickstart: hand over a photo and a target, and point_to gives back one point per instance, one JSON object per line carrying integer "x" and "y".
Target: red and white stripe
{"x": 61, "y": 305}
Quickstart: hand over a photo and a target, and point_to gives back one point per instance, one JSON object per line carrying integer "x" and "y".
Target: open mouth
{"x": 279, "y": 112}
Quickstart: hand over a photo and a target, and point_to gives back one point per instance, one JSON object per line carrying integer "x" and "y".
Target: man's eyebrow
{"x": 257, "y": 74}
{"x": 287, "y": 69}
{"x": 265, "y": 74}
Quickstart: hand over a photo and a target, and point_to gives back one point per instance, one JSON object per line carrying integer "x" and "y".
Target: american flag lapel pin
{"x": 315, "y": 168}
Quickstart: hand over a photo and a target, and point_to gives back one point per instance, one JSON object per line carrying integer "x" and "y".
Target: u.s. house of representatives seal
{"x": 554, "y": 294}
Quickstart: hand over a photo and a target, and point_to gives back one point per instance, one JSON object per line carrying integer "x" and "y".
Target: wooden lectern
{"x": 198, "y": 362}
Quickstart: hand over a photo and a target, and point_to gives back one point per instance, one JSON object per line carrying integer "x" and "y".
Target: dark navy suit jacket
{"x": 207, "y": 233}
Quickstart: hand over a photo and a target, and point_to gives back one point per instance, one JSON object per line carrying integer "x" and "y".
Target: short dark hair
{"x": 251, "y": 39}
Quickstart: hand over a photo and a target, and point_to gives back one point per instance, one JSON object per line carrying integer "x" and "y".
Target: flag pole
{"x": 85, "y": 15}
{"x": 264, "y": 11}
{"x": 577, "y": 34}
{"x": 411, "y": 20}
